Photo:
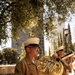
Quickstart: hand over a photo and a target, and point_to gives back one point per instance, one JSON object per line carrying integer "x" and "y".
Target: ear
{"x": 28, "y": 49}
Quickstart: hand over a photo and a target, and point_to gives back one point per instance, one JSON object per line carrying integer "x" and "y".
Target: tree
{"x": 70, "y": 47}
{"x": 49, "y": 51}
{"x": 10, "y": 55}
{"x": 55, "y": 45}
{"x": 22, "y": 55}
{"x": 60, "y": 39}
{"x": 74, "y": 46}
{"x": 24, "y": 15}
{"x": 1, "y": 57}
{"x": 64, "y": 40}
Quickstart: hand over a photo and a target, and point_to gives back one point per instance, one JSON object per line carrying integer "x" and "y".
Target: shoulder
{"x": 20, "y": 67}
{"x": 21, "y": 63}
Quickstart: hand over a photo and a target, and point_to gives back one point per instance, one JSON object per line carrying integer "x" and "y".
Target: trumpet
{"x": 67, "y": 60}
{"x": 67, "y": 55}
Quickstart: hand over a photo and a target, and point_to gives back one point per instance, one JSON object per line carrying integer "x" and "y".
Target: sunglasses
{"x": 36, "y": 48}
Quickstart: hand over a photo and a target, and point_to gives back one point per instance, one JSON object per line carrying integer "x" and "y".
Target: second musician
{"x": 67, "y": 63}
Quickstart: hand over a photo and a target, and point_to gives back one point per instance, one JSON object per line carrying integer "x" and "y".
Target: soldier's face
{"x": 61, "y": 53}
{"x": 34, "y": 51}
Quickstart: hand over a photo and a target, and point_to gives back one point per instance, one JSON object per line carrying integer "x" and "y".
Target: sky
{"x": 9, "y": 41}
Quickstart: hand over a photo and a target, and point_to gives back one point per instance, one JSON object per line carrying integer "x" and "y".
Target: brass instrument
{"x": 47, "y": 66}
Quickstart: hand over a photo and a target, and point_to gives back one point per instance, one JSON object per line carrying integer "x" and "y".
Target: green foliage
{"x": 24, "y": 15}
{"x": 10, "y": 55}
{"x": 22, "y": 55}
{"x": 74, "y": 46}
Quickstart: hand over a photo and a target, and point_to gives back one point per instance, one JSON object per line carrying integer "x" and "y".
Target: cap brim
{"x": 34, "y": 45}
{"x": 60, "y": 50}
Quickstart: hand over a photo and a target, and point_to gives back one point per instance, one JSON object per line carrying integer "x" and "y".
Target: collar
{"x": 29, "y": 61}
